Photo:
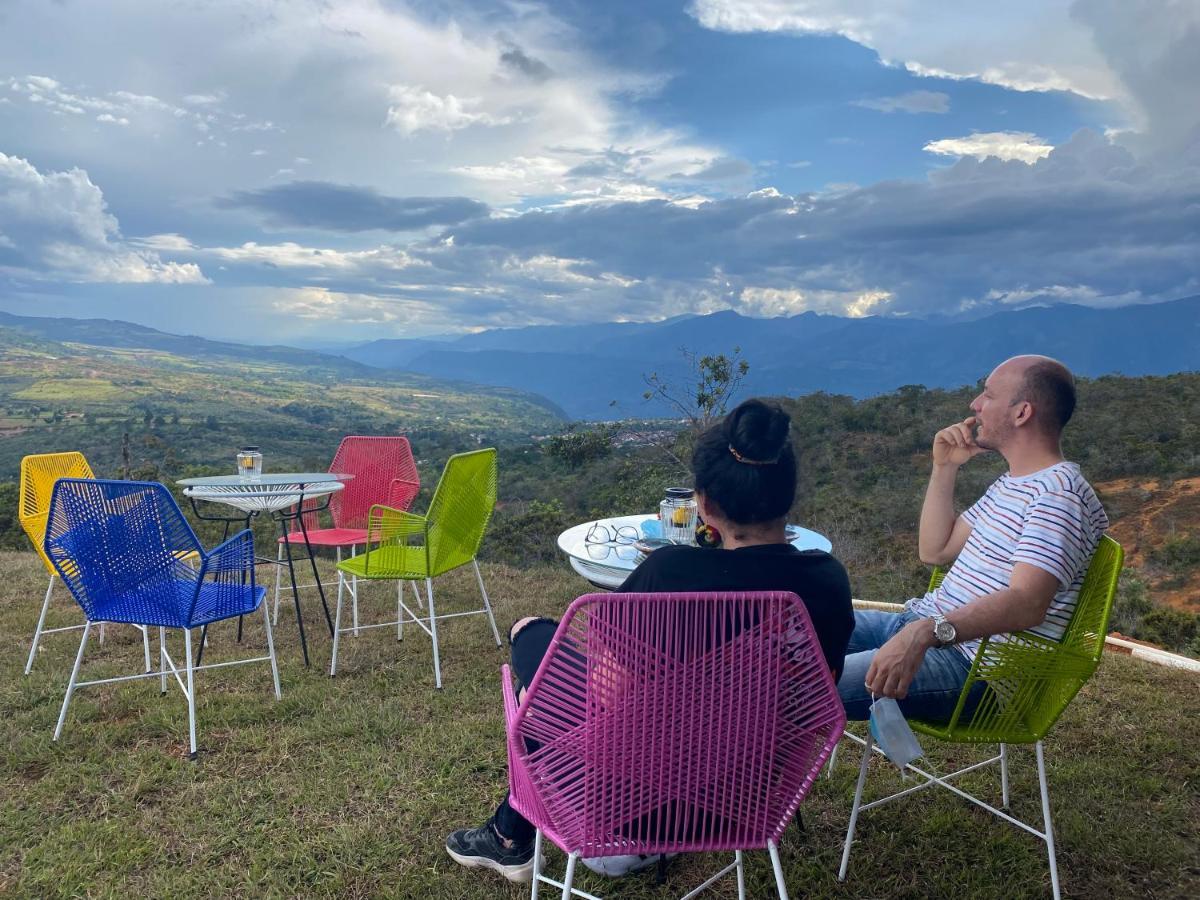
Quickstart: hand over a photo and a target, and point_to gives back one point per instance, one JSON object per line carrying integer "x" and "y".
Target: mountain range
{"x": 599, "y": 371}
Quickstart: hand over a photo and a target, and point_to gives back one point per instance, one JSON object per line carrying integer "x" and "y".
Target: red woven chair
{"x": 660, "y": 723}
{"x": 384, "y": 473}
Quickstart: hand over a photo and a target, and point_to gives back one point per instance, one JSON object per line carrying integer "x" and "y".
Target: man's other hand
{"x": 895, "y": 664}
{"x": 954, "y": 445}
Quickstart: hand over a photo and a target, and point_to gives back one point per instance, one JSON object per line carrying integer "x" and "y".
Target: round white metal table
{"x": 607, "y": 565}
{"x": 281, "y": 496}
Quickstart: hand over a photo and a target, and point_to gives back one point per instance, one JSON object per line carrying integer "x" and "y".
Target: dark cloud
{"x": 337, "y": 207}
{"x": 1089, "y": 223}
{"x": 517, "y": 60}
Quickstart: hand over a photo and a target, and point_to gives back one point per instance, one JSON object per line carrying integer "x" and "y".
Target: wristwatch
{"x": 944, "y": 631}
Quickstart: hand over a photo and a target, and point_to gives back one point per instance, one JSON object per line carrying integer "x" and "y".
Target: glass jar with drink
{"x": 677, "y": 515}
{"x": 249, "y": 462}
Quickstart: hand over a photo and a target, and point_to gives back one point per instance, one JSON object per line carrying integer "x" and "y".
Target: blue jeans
{"x": 934, "y": 691}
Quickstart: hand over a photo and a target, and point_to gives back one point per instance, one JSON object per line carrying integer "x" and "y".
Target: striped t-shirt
{"x": 1050, "y": 519}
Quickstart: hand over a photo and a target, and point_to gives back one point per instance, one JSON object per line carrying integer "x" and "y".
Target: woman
{"x": 745, "y": 479}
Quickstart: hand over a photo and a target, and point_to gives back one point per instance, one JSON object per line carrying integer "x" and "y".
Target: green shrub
{"x": 1173, "y": 629}
{"x": 526, "y": 534}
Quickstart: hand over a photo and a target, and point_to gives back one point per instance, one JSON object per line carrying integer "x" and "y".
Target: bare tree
{"x": 711, "y": 382}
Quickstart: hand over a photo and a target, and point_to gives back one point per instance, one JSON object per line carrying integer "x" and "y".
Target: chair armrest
{"x": 402, "y": 492}
{"x": 387, "y": 525}
{"x": 1025, "y": 655}
{"x": 510, "y": 697}
{"x": 233, "y": 555}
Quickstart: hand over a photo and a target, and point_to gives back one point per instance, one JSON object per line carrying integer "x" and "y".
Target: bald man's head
{"x": 1049, "y": 386}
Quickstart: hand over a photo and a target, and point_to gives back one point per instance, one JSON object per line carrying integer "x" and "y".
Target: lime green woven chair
{"x": 407, "y": 547}
{"x": 1030, "y": 680}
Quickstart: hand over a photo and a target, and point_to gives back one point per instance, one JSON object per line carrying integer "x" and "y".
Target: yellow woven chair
{"x": 402, "y": 546}
{"x": 39, "y": 472}
{"x": 1030, "y": 680}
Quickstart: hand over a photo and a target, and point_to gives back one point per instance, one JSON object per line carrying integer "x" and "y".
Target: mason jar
{"x": 677, "y": 515}
{"x": 249, "y": 462}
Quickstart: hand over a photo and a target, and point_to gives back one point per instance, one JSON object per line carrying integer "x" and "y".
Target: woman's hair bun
{"x": 758, "y": 430}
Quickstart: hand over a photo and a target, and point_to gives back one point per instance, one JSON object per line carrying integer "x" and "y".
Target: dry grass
{"x": 348, "y": 786}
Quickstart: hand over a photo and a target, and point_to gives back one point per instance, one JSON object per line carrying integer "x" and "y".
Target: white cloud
{"x": 168, "y": 242}
{"x": 67, "y": 234}
{"x": 380, "y": 92}
{"x": 322, "y": 303}
{"x": 415, "y": 109}
{"x": 290, "y": 255}
{"x": 912, "y": 102}
{"x": 1006, "y": 145}
{"x": 769, "y": 302}
{"x": 1022, "y": 44}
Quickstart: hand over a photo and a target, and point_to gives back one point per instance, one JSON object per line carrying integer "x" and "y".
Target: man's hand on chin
{"x": 896, "y": 663}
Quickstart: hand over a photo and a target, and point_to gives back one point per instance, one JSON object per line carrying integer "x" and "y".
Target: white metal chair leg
{"x": 437, "y": 662}
{"x": 780, "y": 884}
{"x": 417, "y": 594}
{"x": 1041, "y": 761}
{"x": 337, "y": 633}
{"x": 569, "y": 878}
{"x": 62, "y": 715}
{"x": 486, "y": 603}
{"x": 101, "y": 632}
{"x": 1004, "y": 776}
{"x": 400, "y": 617}
{"x": 191, "y": 692}
{"x": 162, "y": 659}
{"x": 271, "y": 653}
{"x": 278, "y": 574}
{"x": 354, "y": 600}
{"x": 832, "y": 760}
{"x": 741, "y": 875}
{"x": 858, "y": 792}
{"x": 537, "y": 863}
{"x": 340, "y": 576}
{"x": 146, "y": 644}
{"x": 37, "y": 632}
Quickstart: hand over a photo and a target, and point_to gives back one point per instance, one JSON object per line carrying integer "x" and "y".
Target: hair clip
{"x": 753, "y": 462}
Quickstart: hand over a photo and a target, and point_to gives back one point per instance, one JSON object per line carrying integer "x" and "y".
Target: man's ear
{"x": 1024, "y": 413}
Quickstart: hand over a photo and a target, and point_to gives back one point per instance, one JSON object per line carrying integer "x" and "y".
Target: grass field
{"x": 348, "y": 786}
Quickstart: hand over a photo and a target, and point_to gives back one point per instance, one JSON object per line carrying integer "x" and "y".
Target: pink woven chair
{"x": 661, "y": 723}
{"x": 384, "y": 473}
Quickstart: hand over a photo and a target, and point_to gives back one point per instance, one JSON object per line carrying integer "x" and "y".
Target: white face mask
{"x": 891, "y": 732}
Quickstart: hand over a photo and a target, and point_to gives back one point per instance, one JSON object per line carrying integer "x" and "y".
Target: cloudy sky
{"x": 335, "y": 171}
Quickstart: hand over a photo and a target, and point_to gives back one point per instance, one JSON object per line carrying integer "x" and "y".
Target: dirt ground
{"x": 1144, "y": 514}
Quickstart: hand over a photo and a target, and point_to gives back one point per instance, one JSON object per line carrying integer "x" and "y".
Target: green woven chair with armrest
{"x": 405, "y": 546}
{"x": 1030, "y": 680}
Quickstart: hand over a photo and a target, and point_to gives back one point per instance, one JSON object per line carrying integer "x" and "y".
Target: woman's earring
{"x": 707, "y": 535}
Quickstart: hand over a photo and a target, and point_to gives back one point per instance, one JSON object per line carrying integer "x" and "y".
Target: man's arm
{"x": 1023, "y": 604}
{"x": 943, "y": 534}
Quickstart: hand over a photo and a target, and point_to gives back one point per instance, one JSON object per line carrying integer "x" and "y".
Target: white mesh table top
{"x": 607, "y": 565}
{"x": 263, "y": 493}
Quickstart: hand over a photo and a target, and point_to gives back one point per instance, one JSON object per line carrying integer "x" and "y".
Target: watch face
{"x": 944, "y": 632}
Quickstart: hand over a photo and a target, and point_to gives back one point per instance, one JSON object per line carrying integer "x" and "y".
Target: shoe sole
{"x": 517, "y": 874}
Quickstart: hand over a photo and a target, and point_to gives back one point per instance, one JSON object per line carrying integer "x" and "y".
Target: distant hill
{"x": 584, "y": 368}
{"x": 193, "y": 410}
{"x": 115, "y": 333}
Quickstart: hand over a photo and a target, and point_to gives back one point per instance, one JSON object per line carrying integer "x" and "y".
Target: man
{"x": 1019, "y": 554}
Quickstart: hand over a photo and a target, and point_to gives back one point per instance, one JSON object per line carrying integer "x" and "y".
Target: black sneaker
{"x": 481, "y": 846}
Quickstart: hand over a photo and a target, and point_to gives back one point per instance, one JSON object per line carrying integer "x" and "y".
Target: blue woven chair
{"x": 118, "y": 546}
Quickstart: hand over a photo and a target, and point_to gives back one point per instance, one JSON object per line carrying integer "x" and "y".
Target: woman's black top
{"x": 816, "y": 577}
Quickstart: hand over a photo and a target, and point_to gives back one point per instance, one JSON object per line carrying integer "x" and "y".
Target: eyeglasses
{"x": 611, "y": 553}
{"x": 608, "y": 534}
